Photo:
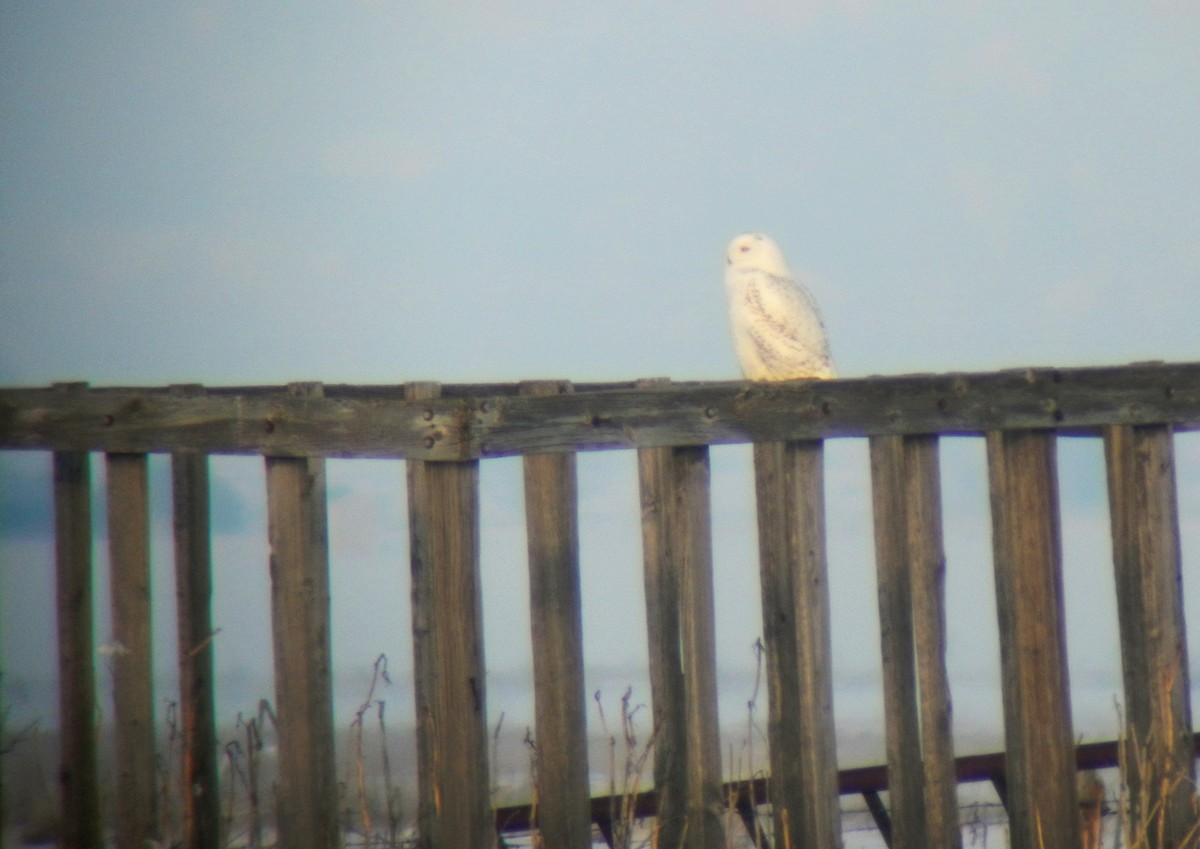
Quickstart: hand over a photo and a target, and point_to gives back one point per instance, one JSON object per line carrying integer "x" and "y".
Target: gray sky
{"x": 380, "y": 192}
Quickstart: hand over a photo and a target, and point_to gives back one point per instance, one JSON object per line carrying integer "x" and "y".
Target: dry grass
{"x": 634, "y": 758}
{"x": 1152, "y": 793}
{"x": 1129, "y": 814}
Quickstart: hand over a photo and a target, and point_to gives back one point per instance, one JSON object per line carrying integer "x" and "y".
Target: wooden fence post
{"x": 692, "y": 528}
{"x": 443, "y": 509}
{"x": 552, "y": 530}
{"x": 1159, "y": 762}
{"x": 80, "y": 799}
{"x": 298, "y": 529}
{"x": 193, "y": 591}
{"x": 1042, "y": 799}
{"x": 902, "y": 720}
{"x": 911, "y": 567}
{"x": 136, "y": 802}
{"x": 796, "y": 630}
{"x": 677, "y": 544}
{"x": 928, "y": 561}
{"x": 668, "y": 702}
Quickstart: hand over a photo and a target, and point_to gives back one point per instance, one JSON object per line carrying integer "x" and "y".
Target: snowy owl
{"x": 777, "y": 329}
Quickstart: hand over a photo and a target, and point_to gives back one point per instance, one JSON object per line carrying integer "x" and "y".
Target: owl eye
{"x": 744, "y": 248}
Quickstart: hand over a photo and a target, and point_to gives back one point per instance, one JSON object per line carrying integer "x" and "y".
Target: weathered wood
{"x": 443, "y": 508}
{"x": 879, "y": 813}
{"x": 1145, "y": 528}
{"x": 136, "y": 797}
{"x": 677, "y": 545}
{"x": 239, "y": 420}
{"x": 556, "y": 613}
{"x": 1042, "y": 799}
{"x": 692, "y": 528}
{"x": 80, "y": 796}
{"x": 424, "y": 663}
{"x": 298, "y": 530}
{"x": 860, "y": 780}
{"x": 668, "y": 697}
{"x": 193, "y": 593}
{"x": 927, "y": 560}
{"x": 796, "y": 630}
{"x": 492, "y": 421}
{"x": 902, "y": 720}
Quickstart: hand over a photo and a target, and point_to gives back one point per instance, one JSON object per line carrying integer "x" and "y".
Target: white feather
{"x": 777, "y": 329}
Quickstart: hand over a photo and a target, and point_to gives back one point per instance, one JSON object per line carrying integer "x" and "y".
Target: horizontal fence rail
{"x": 491, "y": 420}
{"x": 747, "y": 795}
{"x": 445, "y": 431}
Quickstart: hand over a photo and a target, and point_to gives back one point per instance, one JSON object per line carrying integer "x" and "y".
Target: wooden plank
{"x": 247, "y": 420}
{"x": 443, "y": 507}
{"x": 492, "y": 421}
{"x": 136, "y": 797}
{"x": 1145, "y": 527}
{"x": 883, "y": 820}
{"x": 794, "y": 580}
{"x": 1042, "y": 799}
{"x": 860, "y": 780}
{"x": 668, "y": 696}
{"x": 556, "y": 613}
{"x": 677, "y": 545}
{"x": 902, "y": 725}
{"x": 854, "y": 781}
{"x": 193, "y": 594}
{"x": 424, "y": 661}
{"x": 298, "y": 530}
{"x": 927, "y": 559}
{"x": 80, "y": 796}
{"x": 692, "y": 528}
{"x": 777, "y": 584}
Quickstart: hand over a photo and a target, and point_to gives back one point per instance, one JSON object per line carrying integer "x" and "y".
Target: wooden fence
{"x": 444, "y": 431}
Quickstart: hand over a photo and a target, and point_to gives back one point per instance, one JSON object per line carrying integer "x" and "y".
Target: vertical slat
{"x": 443, "y": 509}
{"x": 927, "y": 559}
{"x": 1146, "y": 554}
{"x": 677, "y": 545}
{"x": 80, "y": 797}
{"x": 906, "y": 777}
{"x": 136, "y": 802}
{"x": 298, "y": 530}
{"x": 777, "y": 581}
{"x": 796, "y": 629}
{"x": 668, "y": 698}
{"x": 421, "y": 596}
{"x": 692, "y": 527}
{"x": 193, "y": 591}
{"x": 552, "y": 530}
{"x": 1042, "y": 803}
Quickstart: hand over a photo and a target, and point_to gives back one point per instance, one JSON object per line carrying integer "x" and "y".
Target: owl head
{"x": 756, "y": 252}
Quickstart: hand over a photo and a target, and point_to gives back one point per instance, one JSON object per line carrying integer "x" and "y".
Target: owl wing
{"x": 788, "y": 308}
{"x": 787, "y": 326}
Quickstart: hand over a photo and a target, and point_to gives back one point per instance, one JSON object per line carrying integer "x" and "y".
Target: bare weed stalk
{"x": 1146, "y": 792}
{"x": 168, "y": 802}
{"x": 753, "y": 730}
{"x": 496, "y": 757}
{"x": 234, "y": 755}
{"x": 391, "y": 798}
{"x": 538, "y": 842}
{"x": 364, "y": 808}
{"x": 623, "y": 800}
